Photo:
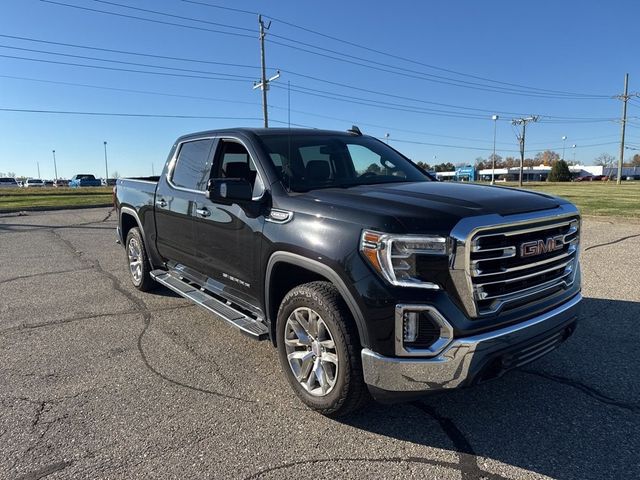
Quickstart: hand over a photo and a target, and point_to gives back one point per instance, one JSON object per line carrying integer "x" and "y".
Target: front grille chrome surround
{"x": 490, "y": 271}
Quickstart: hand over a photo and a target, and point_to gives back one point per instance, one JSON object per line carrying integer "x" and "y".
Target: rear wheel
{"x": 139, "y": 266}
{"x": 319, "y": 349}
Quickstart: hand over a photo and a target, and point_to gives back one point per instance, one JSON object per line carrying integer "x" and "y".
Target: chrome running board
{"x": 251, "y": 327}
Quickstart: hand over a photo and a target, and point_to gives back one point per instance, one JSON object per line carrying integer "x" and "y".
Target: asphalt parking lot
{"x": 98, "y": 380}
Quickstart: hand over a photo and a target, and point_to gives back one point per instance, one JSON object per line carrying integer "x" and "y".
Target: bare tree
{"x": 497, "y": 158}
{"x": 605, "y": 160}
{"x": 115, "y": 174}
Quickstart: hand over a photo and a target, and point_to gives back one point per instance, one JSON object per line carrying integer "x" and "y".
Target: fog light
{"x": 410, "y": 327}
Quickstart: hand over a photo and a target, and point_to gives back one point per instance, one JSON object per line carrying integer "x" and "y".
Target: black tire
{"x": 349, "y": 391}
{"x": 144, "y": 283}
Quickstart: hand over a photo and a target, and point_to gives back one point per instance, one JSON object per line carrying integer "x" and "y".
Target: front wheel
{"x": 319, "y": 349}
{"x": 139, "y": 266}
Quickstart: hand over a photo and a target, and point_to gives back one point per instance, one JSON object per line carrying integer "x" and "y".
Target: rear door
{"x": 229, "y": 236}
{"x": 180, "y": 188}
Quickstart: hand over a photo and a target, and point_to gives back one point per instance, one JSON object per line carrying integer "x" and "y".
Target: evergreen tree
{"x": 560, "y": 172}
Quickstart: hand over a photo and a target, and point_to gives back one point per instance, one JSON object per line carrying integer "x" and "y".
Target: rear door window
{"x": 193, "y": 166}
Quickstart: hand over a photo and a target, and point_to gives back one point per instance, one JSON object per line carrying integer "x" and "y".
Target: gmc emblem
{"x": 538, "y": 247}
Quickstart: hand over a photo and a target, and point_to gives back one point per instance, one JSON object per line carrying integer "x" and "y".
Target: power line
{"x": 387, "y": 54}
{"x": 420, "y": 76}
{"x": 414, "y": 109}
{"x": 126, "y": 52}
{"x": 490, "y": 149}
{"x": 423, "y": 76}
{"x": 309, "y": 77}
{"x": 102, "y": 67}
{"x": 303, "y": 112}
{"x": 128, "y": 90}
{"x": 379, "y": 103}
{"x": 210, "y": 117}
{"x": 194, "y": 97}
{"x": 121, "y": 114}
{"x": 134, "y": 17}
{"x": 401, "y": 97}
{"x": 83, "y": 57}
{"x": 173, "y": 15}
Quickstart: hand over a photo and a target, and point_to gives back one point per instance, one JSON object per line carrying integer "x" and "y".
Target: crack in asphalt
{"x": 586, "y": 389}
{"x": 141, "y": 308}
{"x": 33, "y": 326}
{"x": 611, "y": 242}
{"x": 8, "y": 226}
{"x": 42, "y": 274}
{"x": 467, "y": 464}
{"x": 46, "y": 470}
{"x": 397, "y": 460}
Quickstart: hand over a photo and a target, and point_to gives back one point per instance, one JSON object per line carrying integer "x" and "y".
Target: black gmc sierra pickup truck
{"x": 367, "y": 274}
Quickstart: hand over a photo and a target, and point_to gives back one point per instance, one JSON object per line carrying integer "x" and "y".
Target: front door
{"x": 229, "y": 237}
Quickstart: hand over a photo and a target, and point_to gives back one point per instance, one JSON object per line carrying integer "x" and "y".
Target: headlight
{"x": 394, "y": 256}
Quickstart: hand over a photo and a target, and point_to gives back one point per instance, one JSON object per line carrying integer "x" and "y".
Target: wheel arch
{"x": 129, "y": 219}
{"x": 303, "y": 270}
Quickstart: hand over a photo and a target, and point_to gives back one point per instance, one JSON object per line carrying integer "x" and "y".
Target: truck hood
{"x": 417, "y": 204}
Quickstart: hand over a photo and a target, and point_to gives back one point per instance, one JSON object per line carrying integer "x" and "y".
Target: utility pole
{"x": 564, "y": 141}
{"x": 106, "y": 167}
{"x": 493, "y": 159}
{"x": 264, "y": 81}
{"x": 624, "y": 97}
{"x": 55, "y": 167}
{"x": 521, "y": 138}
{"x": 38, "y": 163}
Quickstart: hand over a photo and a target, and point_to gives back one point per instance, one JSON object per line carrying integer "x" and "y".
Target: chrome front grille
{"x": 510, "y": 265}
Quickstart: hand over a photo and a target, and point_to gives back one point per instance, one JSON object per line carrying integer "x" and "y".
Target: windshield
{"x": 85, "y": 176}
{"x": 309, "y": 162}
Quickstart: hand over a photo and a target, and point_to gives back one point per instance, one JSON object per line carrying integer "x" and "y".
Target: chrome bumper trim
{"x": 463, "y": 358}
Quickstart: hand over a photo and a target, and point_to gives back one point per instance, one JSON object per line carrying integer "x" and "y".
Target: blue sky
{"x": 580, "y": 48}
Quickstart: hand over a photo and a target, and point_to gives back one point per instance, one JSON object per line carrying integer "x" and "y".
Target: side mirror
{"x": 229, "y": 190}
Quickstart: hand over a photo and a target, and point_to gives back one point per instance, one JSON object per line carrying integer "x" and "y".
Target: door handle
{"x": 161, "y": 203}
{"x": 203, "y": 212}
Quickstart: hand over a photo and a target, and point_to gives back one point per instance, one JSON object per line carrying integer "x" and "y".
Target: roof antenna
{"x": 355, "y": 130}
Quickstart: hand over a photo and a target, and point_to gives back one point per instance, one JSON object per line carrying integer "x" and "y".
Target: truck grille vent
{"x": 514, "y": 265}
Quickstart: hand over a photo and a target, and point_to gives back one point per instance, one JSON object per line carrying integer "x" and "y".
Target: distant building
{"x": 538, "y": 173}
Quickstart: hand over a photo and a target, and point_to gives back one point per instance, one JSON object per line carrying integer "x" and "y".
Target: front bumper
{"x": 472, "y": 359}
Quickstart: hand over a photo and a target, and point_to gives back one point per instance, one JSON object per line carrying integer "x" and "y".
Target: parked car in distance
{"x": 33, "y": 182}
{"x": 8, "y": 182}
{"x": 61, "y": 183}
{"x": 48, "y": 183}
{"x": 111, "y": 182}
{"x": 84, "y": 180}
{"x": 585, "y": 178}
